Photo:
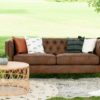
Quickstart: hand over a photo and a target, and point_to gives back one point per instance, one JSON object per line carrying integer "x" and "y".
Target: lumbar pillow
{"x": 74, "y": 45}
{"x": 88, "y": 45}
{"x": 34, "y": 45}
{"x": 20, "y": 45}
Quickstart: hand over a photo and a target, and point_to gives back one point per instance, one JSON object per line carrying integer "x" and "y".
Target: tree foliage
{"x": 96, "y": 4}
{"x": 93, "y": 3}
{"x": 66, "y": 0}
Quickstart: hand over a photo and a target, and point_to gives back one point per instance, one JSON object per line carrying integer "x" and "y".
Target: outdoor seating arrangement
{"x": 56, "y": 58}
{"x": 50, "y": 49}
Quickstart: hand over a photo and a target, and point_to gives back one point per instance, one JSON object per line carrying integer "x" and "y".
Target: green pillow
{"x": 74, "y": 45}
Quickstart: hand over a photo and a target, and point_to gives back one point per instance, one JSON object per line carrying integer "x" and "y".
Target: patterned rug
{"x": 41, "y": 89}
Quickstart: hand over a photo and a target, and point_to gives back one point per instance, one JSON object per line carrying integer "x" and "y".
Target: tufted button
{"x": 47, "y": 42}
{"x": 65, "y": 48}
{"x": 58, "y": 48}
{"x": 54, "y": 42}
{"x": 61, "y": 41}
{"x": 54, "y": 53}
{"x": 50, "y": 48}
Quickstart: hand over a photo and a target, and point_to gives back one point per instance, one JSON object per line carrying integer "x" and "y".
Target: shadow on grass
{"x": 64, "y": 76}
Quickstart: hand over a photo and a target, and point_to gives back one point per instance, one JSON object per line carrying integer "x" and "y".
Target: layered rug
{"x": 42, "y": 89}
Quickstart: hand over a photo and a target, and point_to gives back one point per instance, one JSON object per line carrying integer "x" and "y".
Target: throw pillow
{"x": 88, "y": 45}
{"x": 34, "y": 45}
{"x": 80, "y": 37}
{"x": 20, "y": 45}
{"x": 74, "y": 45}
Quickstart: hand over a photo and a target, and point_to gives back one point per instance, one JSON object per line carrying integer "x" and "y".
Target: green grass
{"x": 48, "y": 19}
{"x": 2, "y": 44}
{"x": 57, "y": 98}
{"x": 77, "y": 98}
{"x": 66, "y": 76}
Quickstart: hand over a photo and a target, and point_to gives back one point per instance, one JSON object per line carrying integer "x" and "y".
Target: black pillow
{"x": 81, "y": 38}
{"x": 74, "y": 45}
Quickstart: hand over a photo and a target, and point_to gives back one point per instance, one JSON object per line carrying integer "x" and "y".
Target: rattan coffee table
{"x": 14, "y": 78}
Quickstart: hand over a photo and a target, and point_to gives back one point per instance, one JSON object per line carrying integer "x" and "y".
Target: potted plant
{"x": 3, "y": 59}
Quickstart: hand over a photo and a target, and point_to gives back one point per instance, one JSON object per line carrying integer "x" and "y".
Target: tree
{"x": 96, "y": 4}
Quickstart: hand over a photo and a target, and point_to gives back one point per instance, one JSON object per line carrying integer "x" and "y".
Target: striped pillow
{"x": 74, "y": 45}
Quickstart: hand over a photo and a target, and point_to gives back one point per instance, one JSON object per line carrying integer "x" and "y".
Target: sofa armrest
{"x": 9, "y": 49}
{"x": 98, "y": 47}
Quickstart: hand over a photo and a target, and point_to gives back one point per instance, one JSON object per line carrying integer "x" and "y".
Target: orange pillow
{"x": 20, "y": 45}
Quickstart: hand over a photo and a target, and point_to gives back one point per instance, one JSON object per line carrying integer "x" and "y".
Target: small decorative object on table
{"x": 3, "y": 59}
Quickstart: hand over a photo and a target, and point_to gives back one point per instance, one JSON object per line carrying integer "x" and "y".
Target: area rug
{"x": 42, "y": 89}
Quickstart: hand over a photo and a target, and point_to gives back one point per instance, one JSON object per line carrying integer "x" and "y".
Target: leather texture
{"x": 97, "y": 49}
{"x": 55, "y": 46}
{"x": 9, "y": 49}
{"x": 51, "y": 45}
{"x": 77, "y": 59}
{"x": 36, "y": 58}
{"x": 64, "y": 69}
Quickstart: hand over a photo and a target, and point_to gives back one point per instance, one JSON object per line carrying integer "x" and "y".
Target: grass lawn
{"x": 65, "y": 76}
{"x": 48, "y": 19}
{"x": 77, "y": 98}
{"x": 2, "y": 44}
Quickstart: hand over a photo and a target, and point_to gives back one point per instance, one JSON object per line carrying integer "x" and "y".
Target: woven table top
{"x": 12, "y": 65}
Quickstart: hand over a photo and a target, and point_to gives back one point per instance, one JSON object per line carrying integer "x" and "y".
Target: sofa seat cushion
{"x": 77, "y": 58}
{"x": 36, "y": 58}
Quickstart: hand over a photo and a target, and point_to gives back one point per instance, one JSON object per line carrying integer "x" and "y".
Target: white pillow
{"x": 34, "y": 45}
{"x": 88, "y": 45}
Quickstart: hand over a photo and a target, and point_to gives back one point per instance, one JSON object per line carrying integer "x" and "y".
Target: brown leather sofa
{"x": 56, "y": 60}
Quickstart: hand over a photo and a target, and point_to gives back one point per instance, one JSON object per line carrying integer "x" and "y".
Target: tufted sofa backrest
{"x": 54, "y": 45}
